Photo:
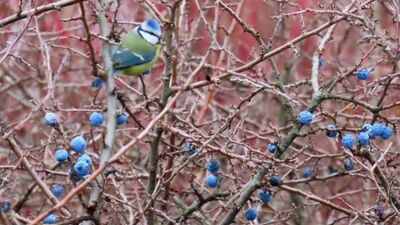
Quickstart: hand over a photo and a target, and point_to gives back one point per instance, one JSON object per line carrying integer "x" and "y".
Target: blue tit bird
{"x": 139, "y": 49}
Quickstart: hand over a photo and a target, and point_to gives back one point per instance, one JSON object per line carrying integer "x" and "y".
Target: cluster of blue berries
{"x": 96, "y": 119}
{"x": 78, "y": 145}
{"x": 367, "y": 132}
{"x": 213, "y": 167}
{"x": 265, "y": 196}
{"x": 378, "y": 130}
{"x": 82, "y": 165}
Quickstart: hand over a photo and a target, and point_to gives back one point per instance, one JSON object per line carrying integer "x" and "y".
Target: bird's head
{"x": 150, "y": 30}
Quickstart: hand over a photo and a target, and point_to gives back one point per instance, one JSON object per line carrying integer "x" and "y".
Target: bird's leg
{"x": 95, "y": 96}
{"x": 144, "y": 92}
{"x": 123, "y": 99}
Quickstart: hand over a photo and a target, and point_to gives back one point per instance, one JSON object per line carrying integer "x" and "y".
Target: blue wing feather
{"x": 123, "y": 58}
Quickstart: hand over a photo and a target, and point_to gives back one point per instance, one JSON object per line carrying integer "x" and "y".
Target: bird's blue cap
{"x": 150, "y": 30}
{"x": 153, "y": 24}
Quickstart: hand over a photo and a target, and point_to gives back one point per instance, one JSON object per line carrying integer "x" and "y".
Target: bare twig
{"x": 36, "y": 11}
{"x": 88, "y": 39}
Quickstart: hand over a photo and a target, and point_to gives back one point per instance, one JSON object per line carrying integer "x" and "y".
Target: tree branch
{"x": 244, "y": 196}
{"x": 107, "y": 150}
{"x": 39, "y": 10}
{"x": 153, "y": 154}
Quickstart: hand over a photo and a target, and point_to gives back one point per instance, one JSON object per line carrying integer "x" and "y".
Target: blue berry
{"x": 348, "y": 164}
{"x": 74, "y": 176}
{"x": 272, "y": 147}
{"x": 366, "y": 127}
{"x": 362, "y": 74}
{"x": 5, "y": 206}
{"x": 96, "y": 119}
{"x": 50, "y": 119}
{"x": 189, "y": 148}
{"x": 377, "y": 129}
{"x": 86, "y": 158}
{"x": 379, "y": 210}
{"x": 61, "y": 155}
{"x": 212, "y": 181}
{"x": 250, "y": 214}
{"x": 320, "y": 62}
{"x": 97, "y": 82}
{"x": 348, "y": 141}
{"x": 213, "y": 166}
{"x": 307, "y": 171}
{"x": 78, "y": 144}
{"x": 264, "y": 195}
{"x": 363, "y": 138}
{"x": 371, "y": 134}
{"x": 305, "y": 117}
{"x": 122, "y": 118}
{"x": 58, "y": 190}
{"x": 50, "y": 219}
{"x": 275, "y": 180}
{"x": 387, "y": 132}
{"x": 81, "y": 168}
{"x": 331, "y": 131}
